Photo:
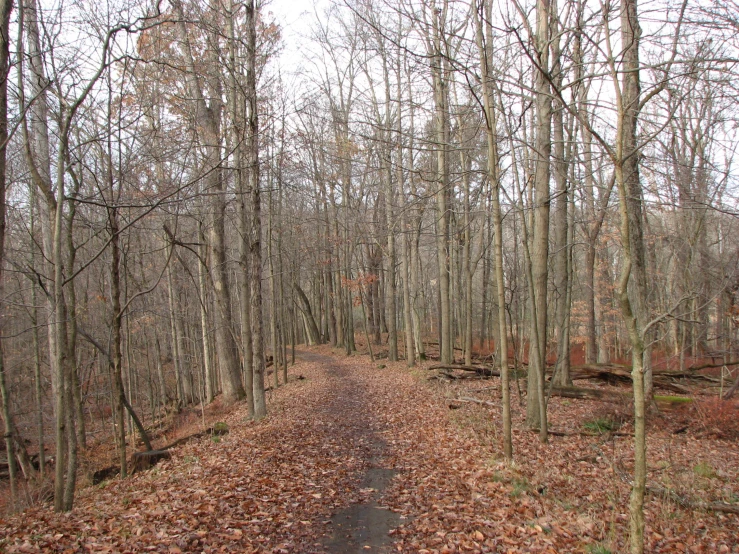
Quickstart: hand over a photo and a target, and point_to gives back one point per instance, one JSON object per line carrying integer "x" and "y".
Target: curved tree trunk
{"x": 314, "y": 337}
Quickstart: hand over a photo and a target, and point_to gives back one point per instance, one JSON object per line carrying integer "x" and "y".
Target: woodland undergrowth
{"x": 273, "y": 485}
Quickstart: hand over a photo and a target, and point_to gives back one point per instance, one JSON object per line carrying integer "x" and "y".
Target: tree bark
{"x": 6, "y": 7}
{"x": 493, "y": 170}
{"x": 562, "y": 250}
{"x": 116, "y": 320}
{"x": 207, "y": 117}
{"x": 204, "y": 320}
{"x": 634, "y": 270}
{"x": 536, "y": 416}
{"x": 390, "y": 259}
{"x": 443, "y": 185}
{"x": 257, "y": 328}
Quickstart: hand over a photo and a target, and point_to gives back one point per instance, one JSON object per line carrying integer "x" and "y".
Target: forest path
{"x": 358, "y": 457}
{"x": 309, "y": 478}
{"x": 348, "y": 415}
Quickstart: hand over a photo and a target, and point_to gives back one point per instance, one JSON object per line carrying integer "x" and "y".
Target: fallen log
{"x": 183, "y": 440}
{"x": 615, "y": 374}
{"x": 610, "y": 395}
{"x": 693, "y": 504}
{"x": 480, "y": 370}
{"x": 610, "y": 373}
{"x": 467, "y": 400}
{"x": 142, "y": 461}
{"x": 626, "y": 369}
{"x": 604, "y": 372}
{"x": 219, "y": 429}
{"x": 443, "y": 375}
{"x": 591, "y": 394}
{"x": 687, "y": 375}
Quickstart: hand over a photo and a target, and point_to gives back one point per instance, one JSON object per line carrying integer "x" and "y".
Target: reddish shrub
{"x": 718, "y": 418}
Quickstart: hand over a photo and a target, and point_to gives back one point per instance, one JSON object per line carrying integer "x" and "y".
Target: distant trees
{"x": 523, "y": 181}
{"x": 113, "y": 163}
{"x": 565, "y": 123}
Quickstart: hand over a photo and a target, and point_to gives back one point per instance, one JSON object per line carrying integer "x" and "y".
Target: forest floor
{"x": 369, "y": 457}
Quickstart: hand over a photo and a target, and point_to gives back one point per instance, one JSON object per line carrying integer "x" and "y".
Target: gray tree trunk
{"x": 405, "y": 250}
{"x": 632, "y": 285}
{"x": 257, "y": 329}
{"x": 562, "y": 273}
{"x": 443, "y": 185}
{"x": 536, "y": 416}
{"x": 204, "y": 320}
{"x": 207, "y": 115}
{"x": 6, "y": 7}
{"x": 493, "y": 169}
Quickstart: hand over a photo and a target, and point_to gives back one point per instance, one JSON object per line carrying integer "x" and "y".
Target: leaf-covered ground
{"x": 274, "y": 485}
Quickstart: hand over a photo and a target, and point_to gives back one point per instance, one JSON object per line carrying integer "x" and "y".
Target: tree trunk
{"x": 410, "y": 349}
{"x": 416, "y": 293}
{"x": 176, "y": 333}
{"x": 443, "y": 185}
{"x": 633, "y": 269}
{"x": 314, "y": 336}
{"x": 37, "y": 154}
{"x": 536, "y": 416}
{"x": 38, "y": 389}
{"x": 257, "y": 328}
{"x": 207, "y": 117}
{"x": 6, "y": 7}
{"x": 390, "y": 273}
{"x": 204, "y": 324}
{"x": 493, "y": 169}
{"x": 116, "y": 354}
{"x": 562, "y": 273}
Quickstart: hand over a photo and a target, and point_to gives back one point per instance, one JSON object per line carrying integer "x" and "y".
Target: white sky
{"x": 294, "y": 18}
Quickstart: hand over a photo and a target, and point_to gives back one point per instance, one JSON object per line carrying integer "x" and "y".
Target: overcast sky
{"x": 294, "y": 17}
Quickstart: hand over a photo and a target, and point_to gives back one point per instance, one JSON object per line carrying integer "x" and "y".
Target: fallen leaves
{"x": 273, "y": 486}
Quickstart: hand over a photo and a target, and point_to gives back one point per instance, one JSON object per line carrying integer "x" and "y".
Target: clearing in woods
{"x": 358, "y": 457}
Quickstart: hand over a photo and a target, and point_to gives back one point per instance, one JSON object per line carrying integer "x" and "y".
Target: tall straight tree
{"x": 36, "y": 147}
{"x": 536, "y": 412}
{"x": 439, "y": 71}
{"x": 391, "y": 219}
{"x": 631, "y": 289}
{"x": 208, "y": 121}
{"x": 405, "y": 235}
{"x": 484, "y": 45}
{"x": 6, "y": 8}
{"x": 633, "y": 272}
{"x": 257, "y": 327}
{"x": 237, "y": 114}
{"x": 562, "y": 249}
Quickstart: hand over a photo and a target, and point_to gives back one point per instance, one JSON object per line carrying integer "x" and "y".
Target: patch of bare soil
{"x": 350, "y": 411}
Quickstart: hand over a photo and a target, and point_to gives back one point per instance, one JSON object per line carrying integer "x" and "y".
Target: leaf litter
{"x": 273, "y": 485}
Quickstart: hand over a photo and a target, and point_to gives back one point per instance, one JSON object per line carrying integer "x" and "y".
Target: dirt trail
{"x": 351, "y": 438}
{"x": 307, "y": 479}
{"x": 348, "y": 413}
